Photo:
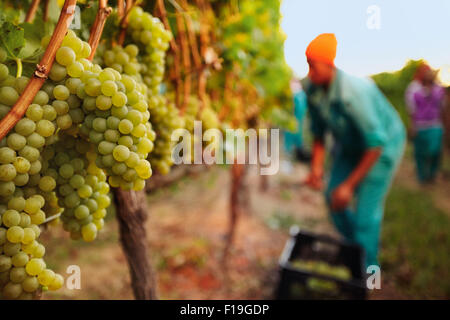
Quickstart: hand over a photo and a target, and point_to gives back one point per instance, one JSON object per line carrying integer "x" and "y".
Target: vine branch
{"x": 46, "y": 9}
{"x": 97, "y": 28}
{"x": 124, "y": 21}
{"x": 32, "y": 11}
{"x": 42, "y": 70}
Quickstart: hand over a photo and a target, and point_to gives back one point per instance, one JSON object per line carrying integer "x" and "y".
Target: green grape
{"x": 35, "y": 266}
{"x": 93, "y": 87}
{"x": 61, "y": 107}
{"x": 25, "y": 127}
{"x": 46, "y": 277}
{"x": 72, "y": 84}
{"x": 16, "y": 141}
{"x": 121, "y": 153}
{"x": 89, "y": 232}
{"x": 8, "y": 95}
{"x": 5, "y": 263}
{"x": 57, "y": 72}
{"x": 66, "y": 171}
{"x": 25, "y": 220}
{"x": 7, "y": 155}
{"x": 73, "y": 42}
{"x": 7, "y": 188}
{"x": 11, "y": 218}
{"x": 38, "y": 251}
{"x": 38, "y": 218}
{"x": 81, "y": 212}
{"x": 125, "y": 126}
{"x": 35, "y": 140}
{"x": 29, "y": 236}
{"x": 65, "y": 56}
{"x": 57, "y": 282}
{"x": 64, "y": 121}
{"x": 7, "y": 172}
{"x": 30, "y": 153}
{"x": 4, "y": 72}
{"x": 103, "y": 102}
{"x": 10, "y": 249}
{"x": 18, "y": 274}
{"x": 85, "y": 191}
{"x": 12, "y": 290}
{"x": 106, "y": 147}
{"x": 119, "y": 99}
{"x": 76, "y": 69}
{"x": 21, "y": 179}
{"x": 21, "y": 165}
{"x": 15, "y": 234}
{"x": 109, "y": 88}
{"x": 47, "y": 183}
{"x": 30, "y": 284}
{"x": 49, "y": 113}
{"x": 99, "y": 124}
{"x": 61, "y": 92}
{"x": 20, "y": 259}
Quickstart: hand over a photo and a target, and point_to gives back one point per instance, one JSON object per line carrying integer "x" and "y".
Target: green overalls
{"x": 359, "y": 118}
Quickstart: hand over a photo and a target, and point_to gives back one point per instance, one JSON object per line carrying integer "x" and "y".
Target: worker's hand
{"x": 314, "y": 180}
{"x": 341, "y": 197}
{"x": 412, "y": 132}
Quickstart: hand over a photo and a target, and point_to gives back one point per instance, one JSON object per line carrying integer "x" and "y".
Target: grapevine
{"x": 98, "y": 114}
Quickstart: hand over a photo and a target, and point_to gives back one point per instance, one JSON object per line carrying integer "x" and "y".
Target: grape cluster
{"x": 22, "y": 270}
{"x": 165, "y": 120}
{"x": 112, "y": 111}
{"x": 82, "y": 187}
{"x": 149, "y": 34}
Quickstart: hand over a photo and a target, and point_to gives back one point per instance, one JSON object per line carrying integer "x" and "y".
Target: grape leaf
{"x": 12, "y": 39}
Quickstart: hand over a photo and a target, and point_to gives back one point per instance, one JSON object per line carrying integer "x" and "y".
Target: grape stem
{"x": 97, "y": 28}
{"x": 120, "y": 9}
{"x": 186, "y": 59}
{"x": 32, "y": 11}
{"x": 175, "y": 71}
{"x": 191, "y": 35}
{"x": 19, "y": 67}
{"x": 124, "y": 21}
{"x": 46, "y": 8}
{"x": 42, "y": 70}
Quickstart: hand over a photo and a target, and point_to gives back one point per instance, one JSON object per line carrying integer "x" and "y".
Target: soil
{"x": 187, "y": 232}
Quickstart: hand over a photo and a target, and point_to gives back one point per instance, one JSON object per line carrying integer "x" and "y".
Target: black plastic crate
{"x": 296, "y": 283}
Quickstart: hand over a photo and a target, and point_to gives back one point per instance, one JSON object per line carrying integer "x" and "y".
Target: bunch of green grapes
{"x": 166, "y": 119}
{"x": 22, "y": 269}
{"x": 25, "y": 191}
{"x": 112, "y": 111}
{"x": 82, "y": 189}
{"x": 150, "y": 36}
{"x": 148, "y": 32}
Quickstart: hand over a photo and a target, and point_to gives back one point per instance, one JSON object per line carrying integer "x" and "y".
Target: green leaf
{"x": 12, "y": 39}
{"x": 33, "y": 33}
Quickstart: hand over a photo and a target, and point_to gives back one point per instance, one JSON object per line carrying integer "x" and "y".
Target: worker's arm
{"x": 343, "y": 194}
{"x": 315, "y": 177}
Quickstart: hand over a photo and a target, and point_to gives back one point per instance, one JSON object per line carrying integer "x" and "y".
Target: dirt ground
{"x": 187, "y": 228}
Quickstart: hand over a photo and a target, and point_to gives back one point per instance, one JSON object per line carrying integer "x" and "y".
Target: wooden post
{"x": 131, "y": 215}
{"x": 237, "y": 171}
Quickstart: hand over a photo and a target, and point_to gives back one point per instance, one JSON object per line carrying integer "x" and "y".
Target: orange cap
{"x": 323, "y": 48}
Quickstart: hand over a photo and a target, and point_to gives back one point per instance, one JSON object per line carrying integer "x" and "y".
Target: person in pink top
{"x": 425, "y": 101}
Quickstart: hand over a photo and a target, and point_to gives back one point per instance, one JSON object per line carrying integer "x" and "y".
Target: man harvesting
{"x": 369, "y": 141}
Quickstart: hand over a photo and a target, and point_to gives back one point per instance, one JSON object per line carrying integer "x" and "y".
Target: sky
{"x": 373, "y": 35}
